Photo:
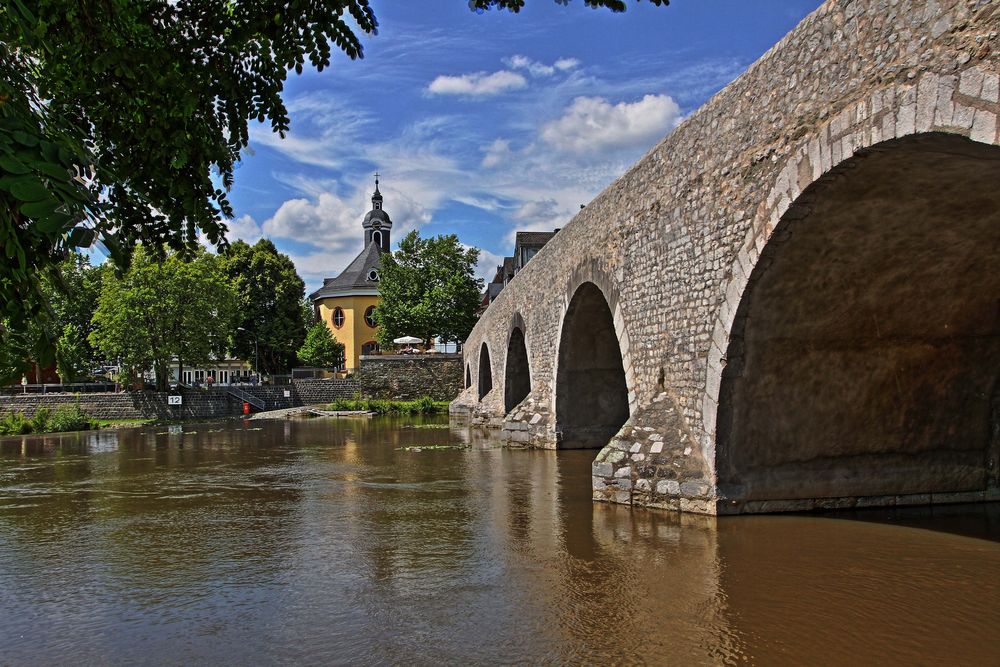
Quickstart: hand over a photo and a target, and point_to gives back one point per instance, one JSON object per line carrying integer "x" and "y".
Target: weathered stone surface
{"x": 679, "y": 243}
{"x": 403, "y": 377}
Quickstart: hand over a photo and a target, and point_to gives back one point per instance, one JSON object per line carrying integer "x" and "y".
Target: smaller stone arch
{"x": 485, "y": 375}
{"x": 517, "y": 373}
{"x": 468, "y": 376}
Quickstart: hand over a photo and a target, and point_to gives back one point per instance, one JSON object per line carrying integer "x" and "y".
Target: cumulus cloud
{"x": 328, "y": 221}
{"x": 536, "y": 68}
{"x": 479, "y": 84}
{"x": 244, "y": 228}
{"x": 487, "y": 265}
{"x": 496, "y": 153}
{"x": 594, "y": 125}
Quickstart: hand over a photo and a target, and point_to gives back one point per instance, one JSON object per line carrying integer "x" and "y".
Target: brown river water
{"x": 322, "y": 541}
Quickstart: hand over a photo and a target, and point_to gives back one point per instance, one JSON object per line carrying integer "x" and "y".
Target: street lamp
{"x": 256, "y": 356}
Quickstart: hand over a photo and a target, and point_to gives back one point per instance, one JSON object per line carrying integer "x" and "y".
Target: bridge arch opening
{"x": 591, "y": 391}
{"x": 517, "y": 375}
{"x": 864, "y": 358}
{"x": 468, "y": 376}
{"x": 485, "y": 376}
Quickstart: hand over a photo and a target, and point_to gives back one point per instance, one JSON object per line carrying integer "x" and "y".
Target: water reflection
{"x": 327, "y": 541}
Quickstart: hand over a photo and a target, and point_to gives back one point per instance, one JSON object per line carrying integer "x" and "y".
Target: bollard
{"x": 246, "y": 408}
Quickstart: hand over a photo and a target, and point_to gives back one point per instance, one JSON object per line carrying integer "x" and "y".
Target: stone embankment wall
{"x": 408, "y": 377}
{"x": 676, "y": 243}
{"x": 197, "y": 403}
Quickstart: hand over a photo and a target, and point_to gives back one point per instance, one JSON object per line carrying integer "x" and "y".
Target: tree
{"x": 120, "y": 121}
{"x": 164, "y": 309}
{"x": 428, "y": 288}
{"x": 269, "y": 295}
{"x": 321, "y": 349}
{"x": 72, "y": 355}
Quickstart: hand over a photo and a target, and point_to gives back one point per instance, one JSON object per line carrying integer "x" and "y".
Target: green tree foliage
{"x": 269, "y": 294}
{"x": 70, "y": 292}
{"x": 120, "y": 120}
{"x": 321, "y": 349}
{"x": 162, "y": 309}
{"x": 428, "y": 288}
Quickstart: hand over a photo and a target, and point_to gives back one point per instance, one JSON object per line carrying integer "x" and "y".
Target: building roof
{"x": 533, "y": 238}
{"x": 354, "y": 277}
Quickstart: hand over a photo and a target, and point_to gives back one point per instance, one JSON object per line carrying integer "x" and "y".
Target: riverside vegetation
{"x": 424, "y": 405}
{"x": 63, "y": 418}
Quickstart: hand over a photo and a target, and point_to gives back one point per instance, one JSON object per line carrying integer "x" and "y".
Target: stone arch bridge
{"x": 792, "y": 301}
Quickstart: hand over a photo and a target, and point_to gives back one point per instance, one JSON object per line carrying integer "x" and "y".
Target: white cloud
{"x": 487, "y": 265}
{"x": 324, "y": 221}
{"x": 322, "y": 131}
{"x": 535, "y": 68}
{"x": 244, "y": 228}
{"x": 479, "y": 84}
{"x": 328, "y": 221}
{"x": 594, "y": 125}
{"x": 538, "y": 211}
{"x": 496, "y": 153}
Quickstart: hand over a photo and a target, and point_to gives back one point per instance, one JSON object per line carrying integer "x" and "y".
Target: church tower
{"x": 377, "y": 223}
{"x": 347, "y": 303}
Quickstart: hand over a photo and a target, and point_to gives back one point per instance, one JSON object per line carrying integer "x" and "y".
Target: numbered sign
{"x": 288, "y": 394}
{"x": 174, "y": 400}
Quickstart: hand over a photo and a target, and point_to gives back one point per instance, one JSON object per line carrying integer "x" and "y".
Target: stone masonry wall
{"x": 439, "y": 376}
{"x": 197, "y": 403}
{"x": 672, "y": 243}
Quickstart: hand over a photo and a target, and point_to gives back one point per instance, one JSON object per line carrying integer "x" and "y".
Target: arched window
{"x": 370, "y": 316}
{"x": 377, "y": 238}
{"x": 338, "y": 317}
{"x": 373, "y": 276}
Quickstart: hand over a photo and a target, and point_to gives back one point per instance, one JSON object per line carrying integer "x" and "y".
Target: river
{"x": 326, "y": 541}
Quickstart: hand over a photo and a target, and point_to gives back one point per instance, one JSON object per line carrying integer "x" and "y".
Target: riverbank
{"x": 421, "y": 406}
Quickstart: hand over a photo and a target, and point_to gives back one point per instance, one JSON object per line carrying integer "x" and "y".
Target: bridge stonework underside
{"x": 687, "y": 250}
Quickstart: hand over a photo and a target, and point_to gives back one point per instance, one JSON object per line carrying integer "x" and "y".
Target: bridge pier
{"x": 655, "y": 461}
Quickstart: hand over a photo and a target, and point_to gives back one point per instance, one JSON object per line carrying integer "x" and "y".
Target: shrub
{"x": 70, "y": 418}
{"x": 14, "y": 423}
{"x": 40, "y": 420}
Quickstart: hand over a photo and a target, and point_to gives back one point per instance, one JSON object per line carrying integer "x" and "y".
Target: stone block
{"x": 603, "y": 470}
{"x": 624, "y": 471}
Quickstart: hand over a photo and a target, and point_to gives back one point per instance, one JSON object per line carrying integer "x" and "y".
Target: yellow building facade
{"x": 346, "y": 304}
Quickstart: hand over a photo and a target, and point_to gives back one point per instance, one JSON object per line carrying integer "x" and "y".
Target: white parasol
{"x": 407, "y": 340}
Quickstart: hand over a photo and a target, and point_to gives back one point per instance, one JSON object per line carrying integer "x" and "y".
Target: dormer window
{"x": 373, "y": 276}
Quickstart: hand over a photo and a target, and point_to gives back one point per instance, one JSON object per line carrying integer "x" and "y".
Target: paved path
{"x": 292, "y": 412}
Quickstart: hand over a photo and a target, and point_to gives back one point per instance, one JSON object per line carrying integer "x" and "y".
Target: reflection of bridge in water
{"x": 792, "y": 301}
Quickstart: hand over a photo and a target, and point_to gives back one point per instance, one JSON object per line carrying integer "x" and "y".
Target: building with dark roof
{"x": 347, "y": 303}
{"x": 526, "y": 245}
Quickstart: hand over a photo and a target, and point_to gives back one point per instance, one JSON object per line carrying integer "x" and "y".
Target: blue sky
{"x": 484, "y": 124}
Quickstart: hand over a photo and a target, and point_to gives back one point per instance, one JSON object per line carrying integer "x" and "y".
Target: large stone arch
{"x": 592, "y": 270}
{"x": 484, "y": 375}
{"x": 517, "y": 366}
{"x": 592, "y": 396}
{"x": 872, "y": 373}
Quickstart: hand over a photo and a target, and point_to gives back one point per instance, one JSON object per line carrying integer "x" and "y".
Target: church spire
{"x": 377, "y": 196}
{"x": 377, "y": 222}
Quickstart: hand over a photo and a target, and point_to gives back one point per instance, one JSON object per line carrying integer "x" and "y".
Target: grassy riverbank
{"x": 421, "y": 406}
{"x": 64, "y": 418}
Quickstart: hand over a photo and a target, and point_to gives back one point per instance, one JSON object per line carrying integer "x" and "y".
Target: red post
{"x": 246, "y": 408}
